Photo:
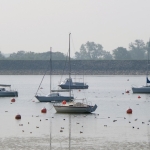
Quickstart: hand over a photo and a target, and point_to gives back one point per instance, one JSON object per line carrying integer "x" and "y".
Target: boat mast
{"x": 148, "y": 47}
{"x": 69, "y": 68}
{"x": 50, "y": 67}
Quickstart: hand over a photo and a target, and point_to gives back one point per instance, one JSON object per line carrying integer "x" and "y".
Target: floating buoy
{"x": 18, "y": 116}
{"x": 129, "y": 111}
{"x": 13, "y": 100}
{"x": 44, "y": 110}
{"x": 139, "y": 96}
{"x": 79, "y": 90}
{"x": 63, "y": 102}
{"x": 127, "y": 91}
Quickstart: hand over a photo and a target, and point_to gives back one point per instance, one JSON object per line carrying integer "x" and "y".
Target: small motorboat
{"x": 7, "y": 92}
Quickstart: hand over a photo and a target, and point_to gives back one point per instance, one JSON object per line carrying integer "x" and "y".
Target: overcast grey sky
{"x": 35, "y": 25}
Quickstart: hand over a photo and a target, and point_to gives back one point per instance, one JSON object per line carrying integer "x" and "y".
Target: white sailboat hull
{"x": 73, "y": 109}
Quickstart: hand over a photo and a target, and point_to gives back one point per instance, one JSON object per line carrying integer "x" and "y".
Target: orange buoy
{"x": 129, "y": 111}
{"x": 63, "y": 102}
{"x": 18, "y": 116}
{"x": 139, "y": 96}
{"x": 13, "y": 100}
{"x": 44, "y": 110}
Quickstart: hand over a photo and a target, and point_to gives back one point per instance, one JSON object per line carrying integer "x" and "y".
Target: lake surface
{"x": 96, "y": 131}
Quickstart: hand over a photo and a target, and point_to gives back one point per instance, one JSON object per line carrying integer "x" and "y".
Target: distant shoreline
{"x": 27, "y": 72}
{"x": 78, "y": 67}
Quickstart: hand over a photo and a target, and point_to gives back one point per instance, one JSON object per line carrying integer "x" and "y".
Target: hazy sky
{"x": 36, "y": 25}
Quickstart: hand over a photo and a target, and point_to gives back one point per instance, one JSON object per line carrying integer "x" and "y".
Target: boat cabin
{"x": 2, "y": 89}
{"x": 53, "y": 94}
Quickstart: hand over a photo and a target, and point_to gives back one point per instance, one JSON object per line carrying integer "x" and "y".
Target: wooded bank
{"x": 79, "y": 67}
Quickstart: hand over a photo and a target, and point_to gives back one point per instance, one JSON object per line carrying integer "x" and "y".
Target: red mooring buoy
{"x": 129, "y": 111}
{"x": 43, "y": 110}
{"x": 13, "y": 100}
{"x": 139, "y": 96}
{"x": 18, "y": 116}
{"x": 63, "y": 102}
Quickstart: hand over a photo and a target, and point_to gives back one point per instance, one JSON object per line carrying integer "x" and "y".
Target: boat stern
{"x": 93, "y": 108}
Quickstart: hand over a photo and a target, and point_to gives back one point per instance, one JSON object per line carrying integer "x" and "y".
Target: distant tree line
{"x": 22, "y": 55}
{"x": 89, "y": 51}
{"x": 137, "y": 51}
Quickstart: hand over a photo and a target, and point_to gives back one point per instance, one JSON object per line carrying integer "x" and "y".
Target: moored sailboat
{"x": 145, "y": 88}
{"x": 68, "y": 83}
{"x": 52, "y": 96}
{"x": 73, "y": 107}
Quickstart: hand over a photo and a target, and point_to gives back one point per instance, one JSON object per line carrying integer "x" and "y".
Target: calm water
{"x": 99, "y": 131}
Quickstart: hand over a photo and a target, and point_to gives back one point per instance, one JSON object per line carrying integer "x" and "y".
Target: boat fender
{"x": 63, "y": 102}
